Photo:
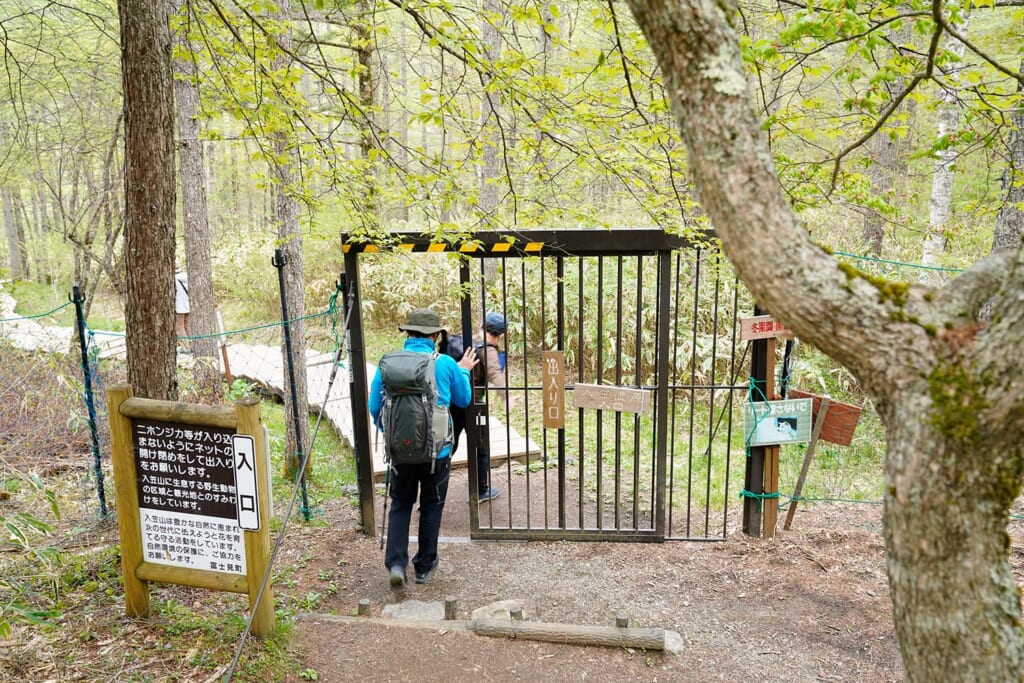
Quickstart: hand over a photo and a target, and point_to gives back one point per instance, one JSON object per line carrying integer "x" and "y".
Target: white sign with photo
{"x": 770, "y": 423}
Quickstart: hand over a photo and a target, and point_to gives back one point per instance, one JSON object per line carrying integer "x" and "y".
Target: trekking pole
{"x": 384, "y": 514}
{"x": 387, "y": 489}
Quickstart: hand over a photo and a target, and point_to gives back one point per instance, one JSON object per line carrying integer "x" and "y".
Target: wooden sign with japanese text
{"x": 618, "y": 399}
{"x": 553, "y": 373}
{"x": 187, "y": 496}
{"x": 193, "y": 485}
{"x": 761, "y": 327}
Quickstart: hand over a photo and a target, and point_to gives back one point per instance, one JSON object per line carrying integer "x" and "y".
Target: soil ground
{"x": 810, "y": 605}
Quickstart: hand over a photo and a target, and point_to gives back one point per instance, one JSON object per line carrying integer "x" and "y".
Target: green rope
{"x": 758, "y": 496}
{"x": 37, "y": 315}
{"x": 897, "y": 263}
{"x": 259, "y": 327}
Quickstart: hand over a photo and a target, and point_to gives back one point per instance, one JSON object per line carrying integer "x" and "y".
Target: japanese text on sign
{"x": 187, "y": 495}
{"x": 247, "y": 502}
{"x": 761, "y": 327}
{"x": 554, "y": 389}
{"x": 192, "y": 541}
{"x": 777, "y": 422}
{"x": 619, "y": 399}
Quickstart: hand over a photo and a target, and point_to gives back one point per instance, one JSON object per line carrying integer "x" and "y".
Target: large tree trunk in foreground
{"x": 149, "y": 197}
{"x": 949, "y": 389}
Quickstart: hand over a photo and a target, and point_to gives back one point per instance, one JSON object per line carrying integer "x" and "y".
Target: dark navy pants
{"x": 432, "y": 487}
{"x": 483, "y": 455}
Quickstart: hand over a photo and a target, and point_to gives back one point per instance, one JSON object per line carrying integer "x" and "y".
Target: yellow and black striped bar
{"x": 569, "y": 242}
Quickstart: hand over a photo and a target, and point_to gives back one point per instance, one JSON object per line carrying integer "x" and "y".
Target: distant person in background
{"x": 182, "y": 307}
{"x": 490, "y": 372}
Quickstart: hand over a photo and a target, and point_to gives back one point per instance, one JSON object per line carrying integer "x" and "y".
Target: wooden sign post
{"x": 764, "y": 460}
{"x": 181, "y": 488}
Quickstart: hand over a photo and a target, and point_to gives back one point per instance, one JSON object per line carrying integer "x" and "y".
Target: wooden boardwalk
{"x": 264, "y": 365}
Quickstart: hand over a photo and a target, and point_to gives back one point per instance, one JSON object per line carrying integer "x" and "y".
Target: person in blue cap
{"x": 492, "y": 360}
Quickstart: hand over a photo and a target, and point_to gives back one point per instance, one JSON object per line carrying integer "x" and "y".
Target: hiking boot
{"x": 396, "y": 577}
{"x": 423, "y": 577}
{"x": 489, "y": 494}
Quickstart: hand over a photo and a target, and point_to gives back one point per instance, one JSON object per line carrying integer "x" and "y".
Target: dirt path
{"x": 811, "y": 605}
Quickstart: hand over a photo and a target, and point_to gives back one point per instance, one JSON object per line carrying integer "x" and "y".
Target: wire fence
{"x": 53, "y": 389}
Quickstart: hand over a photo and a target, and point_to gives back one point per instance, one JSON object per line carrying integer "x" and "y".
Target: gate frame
{"x": 519, "y": 244}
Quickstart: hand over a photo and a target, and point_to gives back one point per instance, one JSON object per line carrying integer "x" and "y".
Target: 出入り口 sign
{"x": 553, "y": 377}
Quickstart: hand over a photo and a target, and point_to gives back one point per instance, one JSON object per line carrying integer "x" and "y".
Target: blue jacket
{"x": 453, "y": 387}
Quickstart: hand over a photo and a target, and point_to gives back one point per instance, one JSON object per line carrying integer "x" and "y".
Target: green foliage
{"x": 332, "y": 464}
{"x": 26, "y": 533}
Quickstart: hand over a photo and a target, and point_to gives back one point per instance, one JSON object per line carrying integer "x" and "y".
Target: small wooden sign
{"x": 840, "y": 418}
{"x": 761, "y": 327}
{"x": 618, "y": 399}
{"x": 553, "y": 373}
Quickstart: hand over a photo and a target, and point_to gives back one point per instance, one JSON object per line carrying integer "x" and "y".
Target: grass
{"x": 35, "y": 299}
{"x": 332, "y": 467}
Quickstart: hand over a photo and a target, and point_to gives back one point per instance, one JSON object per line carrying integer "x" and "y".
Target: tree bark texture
{"x": 490, "y": 119}
{"x": 1010, "y": 220}
{"x": 940, "y": 205}
{"x": 149, "y": 197}
{"x": 195, "y": 217}
{"x": 11, "y": 229}
{"x": 948, "y": 388}
{"x": 286, "y": 210}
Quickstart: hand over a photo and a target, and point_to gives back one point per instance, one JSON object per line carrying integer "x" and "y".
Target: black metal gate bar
{"x": 560, "y": 346}
{"x": 732, "y": 378}
{"x": 606, "y": 507}
{"x": 618, "y": 382}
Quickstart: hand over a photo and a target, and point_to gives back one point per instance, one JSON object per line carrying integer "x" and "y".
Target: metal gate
{"x": 624, "y": 344}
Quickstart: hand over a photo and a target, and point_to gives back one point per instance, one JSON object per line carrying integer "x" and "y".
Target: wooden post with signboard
{"x": 136, "y": 592}
{"x": 770, "y": 516}
{"x": 761, "y": 513}
{"x": 179, "y": 502}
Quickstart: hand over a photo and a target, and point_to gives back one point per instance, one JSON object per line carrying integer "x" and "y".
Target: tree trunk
{"x": 887, "y": 164}
{"x": 195, "y": 219}
{"x": 948, "y": 388}
{"x": 286, "y": 210}
{"x": 11, "y": 229}
{"x": 490, "y": 121}
{"x": 362, "y": 26}
{"x": 1010, "y": 220}
{"x": 20, "y": 219}
{"x": 941, "y": 203}
{"x": 149, "y": 197}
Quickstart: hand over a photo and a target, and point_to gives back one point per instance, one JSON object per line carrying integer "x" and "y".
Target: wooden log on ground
{"x": 606, "y": 636}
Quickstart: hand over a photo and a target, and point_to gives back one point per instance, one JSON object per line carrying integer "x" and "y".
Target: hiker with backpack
{"x": 490, "y": 371}
{"x": 410, "y": 396}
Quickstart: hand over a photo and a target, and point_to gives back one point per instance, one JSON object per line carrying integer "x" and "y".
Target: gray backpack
{"x": 416, "y": 429}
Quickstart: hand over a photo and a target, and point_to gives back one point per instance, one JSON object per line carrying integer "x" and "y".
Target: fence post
{"x": 754, "y": 475}
{"x": 136, "y": 591}
{"x": 279, "y": 262}
{"x": 358, "y": 396}
{"x": 97, "y": 463}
